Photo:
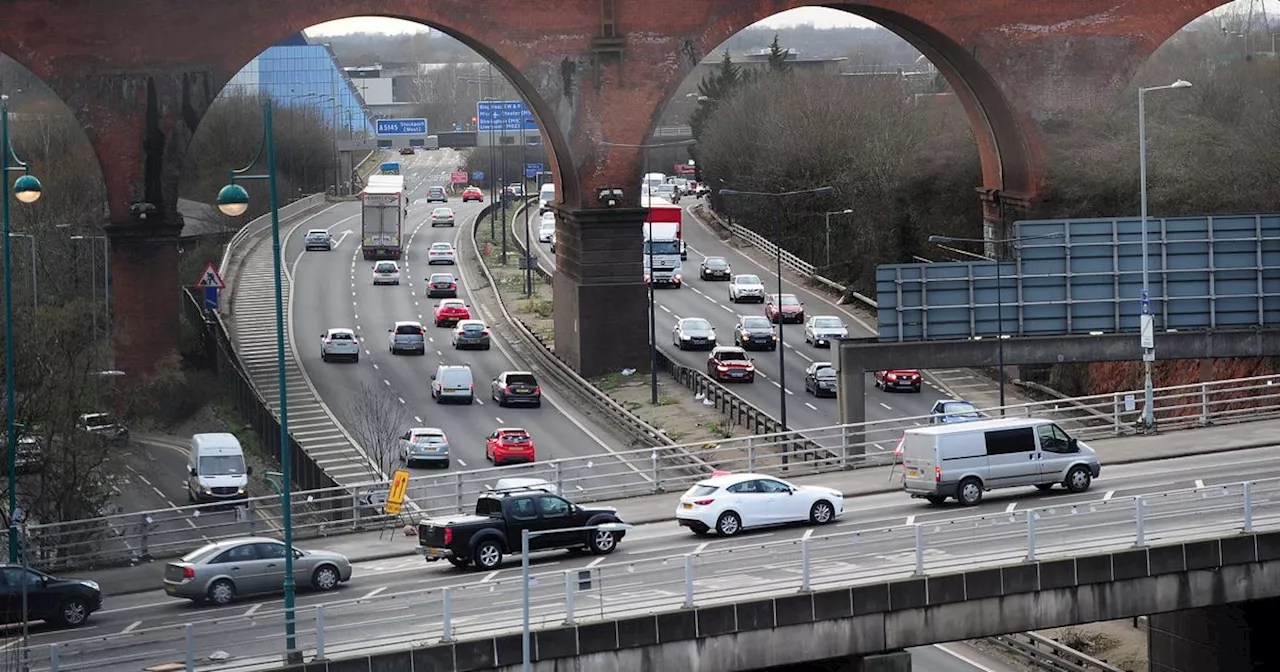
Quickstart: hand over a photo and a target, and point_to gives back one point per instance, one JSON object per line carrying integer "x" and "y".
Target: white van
{"x": 216, "y": 471}
{"x": 546, "y": 196}
{"x": 965, "y": 460}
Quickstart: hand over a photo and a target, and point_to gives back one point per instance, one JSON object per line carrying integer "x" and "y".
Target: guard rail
{"x": 627, "y": 587}
{"x": 256, "y": 226}
{"x": 1046, "y": 654}
{"x": 616, "y": 475}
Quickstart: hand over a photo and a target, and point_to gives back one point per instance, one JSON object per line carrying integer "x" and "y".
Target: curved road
{"x": 403, "y": 604}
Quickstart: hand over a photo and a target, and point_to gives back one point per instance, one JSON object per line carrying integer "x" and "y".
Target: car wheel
{"x": 822, "y": 512}
{"x": 970, "y": 492}
{"x": 457, "y": 562}
{"x": 324, "y": 356}
{"x": 355, "y": 358}
{"x": 1044, "y": 487}
{"x": 728, "y": 524}
{"x": 488, "y": 555}
{"x": 1078, "y": 479}
{"x": 537, "y": 404}
{"x": 222, "y": 592}
{"x": 325, "y": 578}
{"x": 935, "y": 500}
{"x": 602, "y": 543}
{"x": 470, "y": 400}
{"x": 73, "y": 612}
{"x": 445, "y": 465}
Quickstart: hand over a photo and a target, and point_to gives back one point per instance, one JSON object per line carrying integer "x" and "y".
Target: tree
{"x": 377, "y": 421}
{"x": 778, "y": 57}
{"x": 714, "y": 89}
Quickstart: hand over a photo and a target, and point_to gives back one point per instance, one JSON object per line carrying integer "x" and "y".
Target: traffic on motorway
{"x": 356, "y": 594}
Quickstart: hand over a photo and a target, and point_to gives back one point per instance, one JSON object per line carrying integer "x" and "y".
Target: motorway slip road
{"x": 877, "y": 483}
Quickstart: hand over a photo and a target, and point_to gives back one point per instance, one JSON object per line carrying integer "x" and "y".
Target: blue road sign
{"x": 457, "y": 128}
{"x": 477, "y": 176}
{"x": 210, "y": 298}
{"x": 532, "y": 169}
{"x": 504, "y": 116}
{"x": 401, "y": 127}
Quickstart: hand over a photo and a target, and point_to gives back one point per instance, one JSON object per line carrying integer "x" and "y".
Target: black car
{"x": 65, "y": 602}
{"x": 442, "y": 286}
{"x": 755, "y": 333}
{"x": 105, "y": 427}
{"x": 714, "y": 268}
{"x": 516, "y": 387}
{"x": 820, "y": 379}
{"x": 495, "y": 530}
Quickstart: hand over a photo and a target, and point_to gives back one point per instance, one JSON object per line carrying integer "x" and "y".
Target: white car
{"x": 386, "y": 273}
{"x": 823, "y": 330}
{"x": 746, "y": 288}
{"x": 547, "y": 227}
{"x": 521, "y": 483}
{"x": 441, "y": 253}
{"x": 339, "y": 342}
{"x": 318, "y": 239}
{"x": 729, "y": 503}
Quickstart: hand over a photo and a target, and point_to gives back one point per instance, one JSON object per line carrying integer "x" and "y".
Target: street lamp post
{"x": 653, "y": 303}
{"x": 1147, "y": 329}
{"x": 524, "y": 180}
{"x": 106, "y": 271}
{"x": 27, "y": 190}
{"x": 525, "y": 536}
{"x": 828, "y": 215}
{"x": 1000, "y": 335}
{"x": 233, "y": 201}
{"x": 777, "y": 198}
{"x": 35, "y": 287}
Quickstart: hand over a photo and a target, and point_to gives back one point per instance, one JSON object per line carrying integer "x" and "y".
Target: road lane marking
{"x": 489, "y": 577}
{"x": 595, "y": 562}
{"x": 134, "y": 625}
{"x": 1107, "y": 497}
{"x": 665, "y": 309}
{"x": 254, "y": 609}
{"x": 887, "y": 407}
{"x": 701, "y": 547}
{"x": 807, "y": 533}
{"x": 726, "y": 309}
{"x": 460, "y": 462}
{"x": 374, "y": 592}
{"x": 417, "y": 419}
{"x": 375, "y": 365}
{"x": 157, "y": 490}
{"x": 401, "y": 399}
{"x": 911, "y": 520}
{"x": 790, "y": 392}
{"x": 386, "y": 382}
{"x": 761, "y": 374}
{"x": 1199, "y": 484}
{"x": 811, "y": 406}
{"x": 1011, "y": 507}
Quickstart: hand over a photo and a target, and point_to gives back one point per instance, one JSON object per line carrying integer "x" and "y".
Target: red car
{"x": 898, "y": 379}
{"x": 450, "y": 311}
{"x": 472, "y": 194}
{"x": 783, "y": 308}
{"x": 508, "y": 446}
{"x": 730, "y": 363}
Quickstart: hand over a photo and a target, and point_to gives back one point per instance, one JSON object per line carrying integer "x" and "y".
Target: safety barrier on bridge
{"x": 728, "y": 573}
{"x": 618, "y": 475}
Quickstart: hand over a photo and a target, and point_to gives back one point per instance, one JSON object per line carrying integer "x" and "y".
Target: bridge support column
{"x": 851, "y": 393}
{"x": 145, "y": 294}
{"x": 894, "y": 661}
{"x": 1227, "y": 638}
{"x": 601, "y": 303}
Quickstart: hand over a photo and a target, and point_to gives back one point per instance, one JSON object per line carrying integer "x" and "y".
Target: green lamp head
{"x": 233, "y": 200}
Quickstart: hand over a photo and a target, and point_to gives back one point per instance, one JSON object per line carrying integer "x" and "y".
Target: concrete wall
{"x": 1225, "y": 638}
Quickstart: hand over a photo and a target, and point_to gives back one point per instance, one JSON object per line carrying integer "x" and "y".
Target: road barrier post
{"x": 1031, "y": 536}
{"x": 751, "y": 454}
{"x": 191, "y": 647}
{"x": 1139, "y": 505}
{"x": 457, "y": 490}
{"x": 54, "y": 661}
{"x": 559, "y": 475}
{"x": 844, "y": 446}
{"x": 919, "y": 550}
{"x": 570, "y": 576}
{"x": 688, "y": 580}
{"x": 657, "y": 474}
{"x": 1115, "y": 413}
{"x": 447, "y": 617}
{"x": 1204, "y": 405}
{"x": 1248, "y": 507}
{"x": 804, "y": 565}
{"x": 319, "y": 634}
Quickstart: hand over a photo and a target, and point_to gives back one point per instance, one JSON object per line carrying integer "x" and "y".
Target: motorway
{"x": 334, "y": 289}
{"x": 709, "y": 299}
{"x": 396, "y": 597}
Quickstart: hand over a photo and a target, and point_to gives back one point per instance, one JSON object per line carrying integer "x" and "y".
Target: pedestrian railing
{"x": 646, "y": 582}
{"x": 619, "y": 474}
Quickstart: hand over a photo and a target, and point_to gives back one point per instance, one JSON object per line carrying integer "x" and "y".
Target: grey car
{"x": 693, "y": 333}
{"x": 425, "y": 444}
{"x": 470, "y": 334}
{"x": 437, "y": 194}
{"x": 516, "y": 387}
{"x": 223, "y": 570}
{"x": 407, "y": 337}
{"x": 442, "y": 217}
{"x": 823, "y": 330}
{"x": 820, "y": 379}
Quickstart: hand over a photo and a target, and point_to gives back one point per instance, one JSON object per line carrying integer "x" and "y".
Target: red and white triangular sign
{"x": 210, "y": 278}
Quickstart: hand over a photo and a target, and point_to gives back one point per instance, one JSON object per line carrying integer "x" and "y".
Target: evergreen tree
{"x": 714, "y": 88}
{"x": 778, "y": 57}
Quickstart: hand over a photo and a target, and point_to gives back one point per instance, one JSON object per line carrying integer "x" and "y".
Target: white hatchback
{"x": 339, "y": 342}
{"x": 441, "y": 253}
{"x": 729, "y": 503}
{"x": 746, "y": 288}
{"x": 386, "y": 273}
{"x": 547, "y": 227}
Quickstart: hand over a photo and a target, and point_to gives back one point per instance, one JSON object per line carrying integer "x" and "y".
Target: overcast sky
{"x": 818, "y": 16}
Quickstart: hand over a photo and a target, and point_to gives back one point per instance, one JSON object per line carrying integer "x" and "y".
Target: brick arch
{"x": 19, "y": 104}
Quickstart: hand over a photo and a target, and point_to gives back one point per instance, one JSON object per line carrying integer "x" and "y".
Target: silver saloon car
{"x": 221, "y": 571}
{"x": 824, "y": 330}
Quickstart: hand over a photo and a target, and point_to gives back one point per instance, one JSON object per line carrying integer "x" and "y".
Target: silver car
{"x": 470, "y": 334}
{"x": 823, "y": 330}
{"x": 319, "y": 239}
{"x": 442, "y": 217}
{"x": 223, "y": 570}
{"x": 746, "y": 288}
{"x": 693, "y": 333}
{"x": 425, "y": 444}
{"x": 407, "y": 337}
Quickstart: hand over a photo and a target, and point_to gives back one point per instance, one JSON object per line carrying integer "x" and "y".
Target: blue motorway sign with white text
{"x": 504, "y": 115}
{"x": 532, "y": 169}
{"x": 477, "y": 175}
{"x": 401, "y": 127}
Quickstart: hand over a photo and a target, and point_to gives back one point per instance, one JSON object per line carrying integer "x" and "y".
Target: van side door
{"x": 1011, "y": 457}
{"x": 1055, "y": 453}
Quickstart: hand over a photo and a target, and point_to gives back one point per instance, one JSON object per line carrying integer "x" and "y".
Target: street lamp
{"x": 612, "y": 529}
{"x": 777, "y": 197}
{"x": 1147, "y": 325}
{"x": 27, "y": 190}
{"x": 1000, "y": 335}
{"x": 653, "y": 316}
{"x": 233, "y": 201}
{"x": 828, "y": 215}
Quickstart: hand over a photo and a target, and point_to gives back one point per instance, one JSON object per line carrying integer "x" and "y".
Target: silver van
{"x": 965, "y": 460}
{"x": 453, "y": 382}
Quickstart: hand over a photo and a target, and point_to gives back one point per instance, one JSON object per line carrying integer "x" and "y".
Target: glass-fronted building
{"x": 296, "y": 73}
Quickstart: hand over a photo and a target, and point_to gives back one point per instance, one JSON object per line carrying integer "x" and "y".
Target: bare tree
{"x": 377, "y": 421}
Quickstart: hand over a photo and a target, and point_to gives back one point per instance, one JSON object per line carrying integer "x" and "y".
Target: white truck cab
{"x": 216, "y": 470}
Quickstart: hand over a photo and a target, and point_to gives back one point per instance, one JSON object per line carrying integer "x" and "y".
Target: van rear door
{"x": 919, "y": 463}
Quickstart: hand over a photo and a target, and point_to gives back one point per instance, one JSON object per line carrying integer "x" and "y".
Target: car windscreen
{"x": 826, "y": 373}
{"x": 222, "y": 465}
{"x": 960, "y": 409}
{"x": 409, "y": 330}
{"x": 441, "y": 247}
{"x": 788, "y": 300}
{"x": 748, "y": 280}
{"x": 451, "y": 306}
{"x": 732, "y": 356}
{"x": 697, "y": 325}
{"x": 715, "y": 262}
{"x": 827, "y": 323}
{"x": 756, "y": 323}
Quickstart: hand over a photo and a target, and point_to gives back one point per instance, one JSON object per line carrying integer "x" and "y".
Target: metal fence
{"x": 630, "y": 473}
{"x": 631, "y": 586}
{"x": 1043, "y": 653}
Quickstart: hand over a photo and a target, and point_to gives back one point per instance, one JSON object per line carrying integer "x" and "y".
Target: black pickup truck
{"x": 482, "y": 539}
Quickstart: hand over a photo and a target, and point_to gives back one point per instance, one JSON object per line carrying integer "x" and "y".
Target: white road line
{"x": 791, "y": 393}
{"x": 417, "y": 419}
{"x": 887, "y": 407}
{"x": 911, "y": 520}
{"x": 726, "y": 309}
{"x": 254, "y": 609}
{"x": 665, "y": 309}
{"x": 386, "y": 382}
{"x": 806, "y": 358}
{"x": 967, "y": 661}
{"x": 461, "y": 463}
{"x": 489, "y": 577}
{"x": 879, "y": 447}
{"x": 144, "y": 478}
{"x": 761, "y": 374}
{"x": 595, "y": 562}
{"x": 131, "y": 627}
{"x": 1199, "y": 484}
{"x": 775, "y": 384}
{"x": 701, "y": 547}
{"x": 1011, "y": 507}
{"x": 1107, "y": 497}
{"x": 497, "y": 418}
{"x": 480, "y": 401}
{"x": 157, "y": 490}
{"x": 401, "y": 399}
{"x": 807, "y": 533}
{"x": 810, "y": 405}
{"x": 374, "y": 592}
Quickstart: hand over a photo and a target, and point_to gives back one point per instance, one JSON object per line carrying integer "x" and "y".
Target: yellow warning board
{"x": 395, "y": 499}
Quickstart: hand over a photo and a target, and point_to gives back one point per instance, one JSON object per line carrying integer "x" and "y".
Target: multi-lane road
{"x": 398, "y": 598}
